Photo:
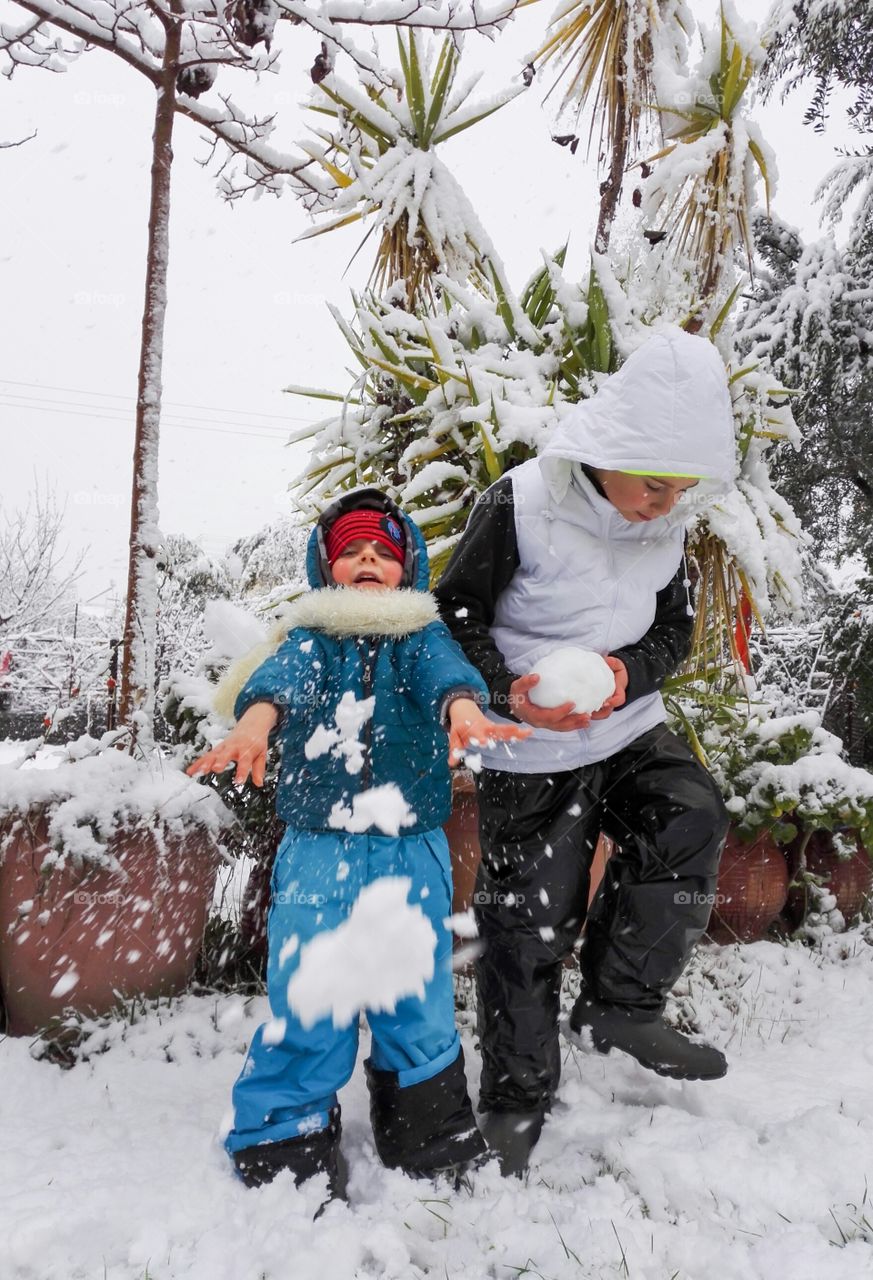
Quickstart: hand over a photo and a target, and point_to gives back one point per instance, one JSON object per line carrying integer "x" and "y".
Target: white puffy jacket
{"x": 582, "y": 574}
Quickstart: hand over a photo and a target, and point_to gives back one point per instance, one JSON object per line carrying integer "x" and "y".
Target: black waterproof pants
{"x": 539, "y": 832}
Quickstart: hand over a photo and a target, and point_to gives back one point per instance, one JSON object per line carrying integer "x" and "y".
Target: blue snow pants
{"x": 287, "y": 1087}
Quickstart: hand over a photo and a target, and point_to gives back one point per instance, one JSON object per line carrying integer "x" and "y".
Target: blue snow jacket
{"x": 389, "y": 645}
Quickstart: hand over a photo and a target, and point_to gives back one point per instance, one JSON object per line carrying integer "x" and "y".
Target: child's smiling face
{"x": 367, "y": 565}
{"x": 641, "y": 498}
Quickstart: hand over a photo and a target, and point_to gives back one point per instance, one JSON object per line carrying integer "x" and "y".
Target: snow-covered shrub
{"x": 781, "y": 774}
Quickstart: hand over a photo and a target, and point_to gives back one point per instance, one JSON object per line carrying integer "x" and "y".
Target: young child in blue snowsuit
{"x": 369, "y": 628}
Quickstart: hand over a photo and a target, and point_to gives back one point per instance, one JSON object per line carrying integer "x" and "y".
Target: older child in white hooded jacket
{"x": 584, "y": 546}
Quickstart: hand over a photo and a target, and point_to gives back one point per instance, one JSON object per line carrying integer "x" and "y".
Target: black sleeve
{"x": 666, "y": 643}
{"x": 482, "y": 565}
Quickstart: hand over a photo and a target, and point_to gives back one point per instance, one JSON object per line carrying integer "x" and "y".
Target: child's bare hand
{"x": 563, "y": 719}
{"x": 246, "y": 746}
{"x": 469, "y": 728}
{"x": 617, "y": 698}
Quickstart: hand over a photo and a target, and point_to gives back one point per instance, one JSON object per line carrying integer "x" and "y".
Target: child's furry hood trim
{"x": 337, "y": 611}
{"x": 350, "y": 611}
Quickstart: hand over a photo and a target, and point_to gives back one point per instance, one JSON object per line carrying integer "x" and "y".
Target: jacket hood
{"x": 667, "y": 411}
{"x": 416, "y": 570}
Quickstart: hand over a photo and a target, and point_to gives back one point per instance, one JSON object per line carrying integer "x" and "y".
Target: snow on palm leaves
{"x": 703, "y": 184}
{"x": 378, "y": 162}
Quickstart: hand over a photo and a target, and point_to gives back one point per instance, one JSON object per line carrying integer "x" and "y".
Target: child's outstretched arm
{"x": 469, "y": 728}
{"x": 246, "y": 744}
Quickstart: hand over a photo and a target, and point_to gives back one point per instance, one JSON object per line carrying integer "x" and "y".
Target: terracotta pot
{"x": 850, "y": 880}
{"x": 462, "y": 833}
{"x": 83, "y": 938}
{"x": 751, "y": 891}
{"x": 602, "y": 853}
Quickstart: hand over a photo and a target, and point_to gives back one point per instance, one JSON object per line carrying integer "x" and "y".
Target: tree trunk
{"x": 610, "y": 188}
{"x": 136, "y": 709}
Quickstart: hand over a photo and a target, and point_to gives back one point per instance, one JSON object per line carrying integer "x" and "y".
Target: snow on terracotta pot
{"x": 751, "y": 890}
{"x": 841, "y": 862}
{"x": 107, "y": 871}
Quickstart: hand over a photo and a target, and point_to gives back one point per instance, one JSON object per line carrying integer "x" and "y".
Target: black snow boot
{"x": 511, "y": 1136}
{"x": 305, "y": 1157}
{"x": 424, "y": 1129}
{"x": 647, "y": 1038}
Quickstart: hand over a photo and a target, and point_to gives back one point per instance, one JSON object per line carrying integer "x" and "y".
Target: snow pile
{"x": 381, "y": 807}
{"x": 383, "y": 952}
{"x": 757, "y": 1176}
{"x": 343, "y": 740}
{"x": 572, "y": 675}
{"x": 94, "y": 793}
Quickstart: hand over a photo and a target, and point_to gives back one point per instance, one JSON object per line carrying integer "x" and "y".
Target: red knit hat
{"x": 375, "y": 526}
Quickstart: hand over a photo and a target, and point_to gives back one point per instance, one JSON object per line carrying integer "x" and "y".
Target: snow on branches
{"x": 211, "y": 36}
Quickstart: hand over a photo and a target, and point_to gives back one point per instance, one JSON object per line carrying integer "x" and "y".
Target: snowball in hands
{"x": 572, "y": 675}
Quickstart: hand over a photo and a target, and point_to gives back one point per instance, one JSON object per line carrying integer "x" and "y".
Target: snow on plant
{"x": 343, "y": 740}
{"x": 781, "y": 773}
{"x": 622, "y": 48}
{"x": 379, "y": 162}
{"x": 382, "y": 953}
{"x": 95, "y": 791}
{"x": 702, "y": 187}
{"x": 617, "y": 56}
{"x": 447, "y": 400}
{"x": 813, "y": 324}
{"x": 757, "y": 526}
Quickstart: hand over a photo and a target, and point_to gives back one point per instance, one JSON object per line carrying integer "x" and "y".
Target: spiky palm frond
{"x": 702, "y": 187}
{"x": 379, "y": 163}
{"x": 722, "y": 591}
{"x": 449, "y": 398}
{"x": 601, "y": 50}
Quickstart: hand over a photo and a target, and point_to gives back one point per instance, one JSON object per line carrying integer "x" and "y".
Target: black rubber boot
{"x": 305, "y": 1157}
{"x": 649, "y": 1039}
{"x": 511, "y": 1136}
{"x": 427, "y": 1128}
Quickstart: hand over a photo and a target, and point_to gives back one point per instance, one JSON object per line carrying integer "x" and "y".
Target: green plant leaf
{"x": 440, "y": 87}
{"x": 416, "y": 96}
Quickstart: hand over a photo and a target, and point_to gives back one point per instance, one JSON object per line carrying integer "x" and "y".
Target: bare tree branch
{"x": 19, "y": 143}
{"x": 33, "y": 587}
{"x": 67, "y": 17}
{"x": 466, "y": 15}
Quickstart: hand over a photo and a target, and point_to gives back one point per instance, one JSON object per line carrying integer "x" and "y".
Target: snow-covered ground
{"x": 113, "y": 1170}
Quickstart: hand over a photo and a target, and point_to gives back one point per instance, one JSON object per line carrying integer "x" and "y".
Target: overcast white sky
{"x": 247, "y": 311}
